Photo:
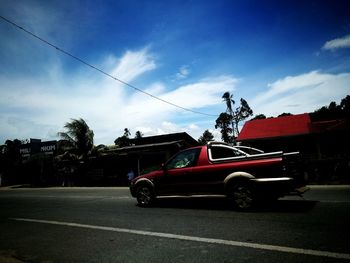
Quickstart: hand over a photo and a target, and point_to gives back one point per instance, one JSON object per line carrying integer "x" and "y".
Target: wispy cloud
{"x": 48, "y": 102}
{"x": 303, "y": 93}
{"x": 338, "y": 43}
{"x": 183, "y": 73}
{"x": 39, "y": 107}
{"x": 203, "y": 93}
{"x": 155, "y": 117}
{"x": 166, "y": 127}
{"x": 133, "y": 64}
{"x": 291, "y": 84}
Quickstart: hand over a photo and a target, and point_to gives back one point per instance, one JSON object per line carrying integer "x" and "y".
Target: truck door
{"x": 178, "y": 173}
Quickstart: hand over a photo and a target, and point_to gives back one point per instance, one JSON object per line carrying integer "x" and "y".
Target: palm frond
{"x": 78, "y": 133}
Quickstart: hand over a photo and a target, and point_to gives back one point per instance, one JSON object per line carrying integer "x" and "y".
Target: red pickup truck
{"x": 245, "y": 175}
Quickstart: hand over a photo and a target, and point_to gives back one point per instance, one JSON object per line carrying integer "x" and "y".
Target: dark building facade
{"x": 36, "y": 146}
{"x": 112, "y": 166}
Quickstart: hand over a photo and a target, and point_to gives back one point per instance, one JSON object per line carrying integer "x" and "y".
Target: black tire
{"x": 144, "y": 195}
{"x": 243, "y": 196}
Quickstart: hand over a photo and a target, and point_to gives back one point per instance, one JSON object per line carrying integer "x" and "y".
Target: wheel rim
{"x": 144, "y": 196}
{"x": 243, "y": 197}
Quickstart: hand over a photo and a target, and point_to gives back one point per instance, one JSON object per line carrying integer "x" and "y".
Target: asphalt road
{"x": 106, "y": 225}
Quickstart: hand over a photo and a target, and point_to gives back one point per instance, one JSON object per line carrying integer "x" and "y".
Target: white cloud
{"x": 49, "y": 103}
{"x": 338, "y": 43}
{"x": 156, "y": 88}
{"x": 39, "y": 107}
{"x": 154, "y": 117}
{"x": 166, "y": 127}
{"x": 206, "y": 92}
{"x": 183, "y": 72}
{"x": 303, "y": 93}
{"x": 134, "y": 64}
{"x": 292, "y": 84}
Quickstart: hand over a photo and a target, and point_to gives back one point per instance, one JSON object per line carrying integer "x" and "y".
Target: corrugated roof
{"x": 165, "y": 138}
{"x": 276, "y": 127}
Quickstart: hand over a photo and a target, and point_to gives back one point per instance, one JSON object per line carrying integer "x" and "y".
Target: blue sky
{"x": 281, "y": 56}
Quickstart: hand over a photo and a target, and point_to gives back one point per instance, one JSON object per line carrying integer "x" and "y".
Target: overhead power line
{"x": 100, "y": 70}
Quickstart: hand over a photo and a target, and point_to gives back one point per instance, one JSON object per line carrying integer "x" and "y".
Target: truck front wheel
{"x": 144, "y": 195}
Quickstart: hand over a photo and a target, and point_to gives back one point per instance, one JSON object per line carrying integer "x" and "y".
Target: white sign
{"x": 48, "y": 148}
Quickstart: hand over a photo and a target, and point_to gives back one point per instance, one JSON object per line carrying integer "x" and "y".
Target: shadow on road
{"x": 222, "y": 203}
{"x": 287, "y": 206}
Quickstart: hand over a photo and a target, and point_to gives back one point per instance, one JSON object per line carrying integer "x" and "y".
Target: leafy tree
{"x": 12, "y": 150}
{"x": 345, "y": 106}
{"x": 206, "y": 137}
{"x": 224, "y": 122}
{"x": 97, "y": 150}
{"x": 259, "y": 117}
{"x": 78, "y": 136}
{"x": 10, "y": 161}
{"x": 123, "y": 140}
{"x": 285, "y": 114}
{"x": 138, "y": 135}
{"x": 242, "y": 112}
{"x": 333, "y": 111}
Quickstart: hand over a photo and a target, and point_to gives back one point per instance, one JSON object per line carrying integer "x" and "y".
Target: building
{"x": 40, "y": 164}
{"x": 324, "y": 145}
{"x": 144, "y": 154}
{"x": 183, "y": 137}
{"x": 28, "y": 163}
{"x": 36, "y": 146}
{"x": 287, "y": 133}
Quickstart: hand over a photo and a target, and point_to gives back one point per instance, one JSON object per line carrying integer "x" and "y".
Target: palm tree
{"x": 127, "y": 132}
{"x": 228, "y": 99}
{"x": 78, "y": 136}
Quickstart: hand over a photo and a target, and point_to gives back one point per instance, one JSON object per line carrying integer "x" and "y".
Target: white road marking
{"x": 309, "y": 252}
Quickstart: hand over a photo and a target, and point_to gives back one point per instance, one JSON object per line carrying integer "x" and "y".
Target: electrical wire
{"x": 100, "y": 70}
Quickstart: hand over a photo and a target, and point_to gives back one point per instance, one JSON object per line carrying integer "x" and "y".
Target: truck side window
{"x": 183, "y": 159}
{"x": 219, "y": 152}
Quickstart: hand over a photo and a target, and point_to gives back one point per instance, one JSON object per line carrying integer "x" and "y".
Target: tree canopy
{"x": 241, "y": 113}
{"x": 78, "y": 136}
{"x": 229, "y": 121}
{"x": 224, "y": 123}
{"x": 333, "y": 111}
{"x": 123, "y": 140}
{"x": 138, "y": 135}
{"x": 259, "y": 117}
{"x": 206, "y": 137}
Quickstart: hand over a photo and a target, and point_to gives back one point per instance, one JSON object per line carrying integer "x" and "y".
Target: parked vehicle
{"x": 245, "y": 175}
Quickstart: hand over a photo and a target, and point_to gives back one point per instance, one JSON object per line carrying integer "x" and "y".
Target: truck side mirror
{"x": 163, "y": 166}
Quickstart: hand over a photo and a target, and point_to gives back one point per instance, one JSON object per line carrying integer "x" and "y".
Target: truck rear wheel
{"x": 243, "y": 196}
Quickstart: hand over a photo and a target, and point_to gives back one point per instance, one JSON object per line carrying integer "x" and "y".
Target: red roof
{"x": 276, "y": 127}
